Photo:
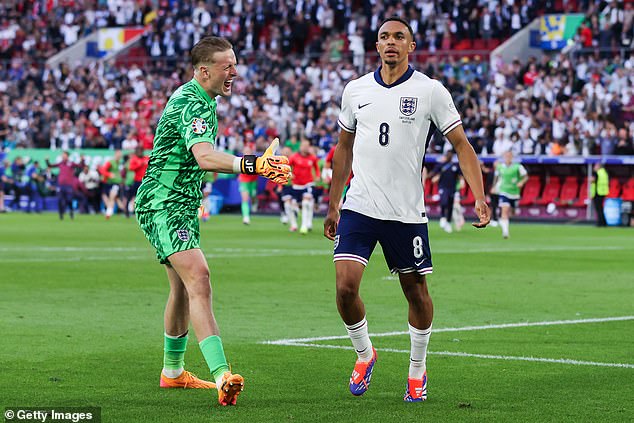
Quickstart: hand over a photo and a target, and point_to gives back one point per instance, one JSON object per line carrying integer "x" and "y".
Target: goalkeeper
{"x": 167, "y": 204}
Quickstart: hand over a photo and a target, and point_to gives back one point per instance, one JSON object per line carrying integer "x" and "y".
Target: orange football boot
{"x": 230, "y": 388}
{"x": 186, "y": 380}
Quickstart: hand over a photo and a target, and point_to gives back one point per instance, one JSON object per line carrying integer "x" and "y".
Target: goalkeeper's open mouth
{"x": 226, "y": 86}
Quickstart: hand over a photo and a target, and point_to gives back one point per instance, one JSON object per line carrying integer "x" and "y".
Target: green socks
{"x": 174, "y": 353}
{"x": 246, "y": 209}
{"x": 214, "y": 354}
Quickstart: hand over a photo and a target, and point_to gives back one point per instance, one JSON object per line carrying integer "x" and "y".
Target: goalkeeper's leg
{"x": 193, "y": 270}
{"x": 176, "y": 319}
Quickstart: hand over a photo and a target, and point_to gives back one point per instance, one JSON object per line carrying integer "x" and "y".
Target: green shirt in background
{"x": 508, "y": 178}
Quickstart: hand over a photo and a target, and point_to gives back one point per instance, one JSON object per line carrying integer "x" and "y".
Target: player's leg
{"x": 193, "y": 270}
{"x": 290, "y": 212}
{"x": 446, "y": 204}
{"x": 245, "y": 205}
{"x": 175, "y": 234}
{"x": 307, "y": 211}
{"x": 407, "y": 252}
{"x": 176, "y": 319}
{"x": 420, "y": 316}
{"x": 354, "y": 243}
{"x": 61, "y": 202}
{"x": 458, "y": 212}
{"x": 505, "y": 215}
{"x": 253, "y": 194}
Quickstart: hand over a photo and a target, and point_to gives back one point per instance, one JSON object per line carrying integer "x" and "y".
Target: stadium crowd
{"x": 294, "y": 63}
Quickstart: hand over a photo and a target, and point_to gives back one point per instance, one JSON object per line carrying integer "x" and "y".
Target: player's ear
{"x": 377, "y": 46}
{"x": 412, "y": 46}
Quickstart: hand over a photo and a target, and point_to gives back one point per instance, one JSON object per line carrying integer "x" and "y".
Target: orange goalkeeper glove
{"x": 272, "y": 167}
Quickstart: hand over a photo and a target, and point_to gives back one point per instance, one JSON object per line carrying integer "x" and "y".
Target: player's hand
{"x": 330, "y": 224}
{"x": 483, "y": 212}
{"x": 273, "y": 167}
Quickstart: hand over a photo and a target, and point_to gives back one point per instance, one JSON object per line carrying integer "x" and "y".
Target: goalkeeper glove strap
{"x": 247, "y": 164}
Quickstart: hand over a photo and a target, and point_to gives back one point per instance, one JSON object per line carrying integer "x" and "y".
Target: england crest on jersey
{"x": 408, "y": 105}
{"x": 183, "y": 234}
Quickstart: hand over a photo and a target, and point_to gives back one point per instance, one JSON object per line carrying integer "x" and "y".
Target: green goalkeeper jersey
{"x": 508, "y": 178}
{"x": 173, "y": 177}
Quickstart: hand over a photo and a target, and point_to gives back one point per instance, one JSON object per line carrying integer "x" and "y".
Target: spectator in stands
{"x": 599, "y": 189}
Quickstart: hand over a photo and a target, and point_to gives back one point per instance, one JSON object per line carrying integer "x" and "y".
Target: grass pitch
{"x": 82, "y": 301}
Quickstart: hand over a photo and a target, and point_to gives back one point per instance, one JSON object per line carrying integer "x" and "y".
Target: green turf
{"x": 82, "y": 301}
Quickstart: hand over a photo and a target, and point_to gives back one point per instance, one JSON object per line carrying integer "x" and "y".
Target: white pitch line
{"x": 325, "y": 251}
{"x": 462, "y": 329}
{"x": 483, "y": 356}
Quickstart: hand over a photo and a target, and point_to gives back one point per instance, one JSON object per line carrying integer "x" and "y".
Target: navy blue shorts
{"x": 405, "y": 245}
{"x": 289, "y": 192}
{"x": 505, "y": 200}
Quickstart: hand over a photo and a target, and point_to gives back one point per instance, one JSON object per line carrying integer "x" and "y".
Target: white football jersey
{"x": 393, "y": 125}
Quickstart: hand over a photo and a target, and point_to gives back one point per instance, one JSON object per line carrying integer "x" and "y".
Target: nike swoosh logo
{"x": 361, "y": 106}
{"x": 420, "y": 262}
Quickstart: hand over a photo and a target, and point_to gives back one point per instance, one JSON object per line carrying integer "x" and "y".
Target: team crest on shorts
{"x": 199, "y": 126}
{"x": 183, "y": 234}
{"x": 408, "y": 105}
{"x": 336, "y": 242}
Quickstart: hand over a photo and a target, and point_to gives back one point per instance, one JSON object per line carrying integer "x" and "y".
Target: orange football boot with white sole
{"x": 230, "y": 388}
{"x": 186, "y": 380}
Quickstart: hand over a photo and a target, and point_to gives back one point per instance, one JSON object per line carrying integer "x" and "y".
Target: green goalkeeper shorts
{"x": 170, "y": 230}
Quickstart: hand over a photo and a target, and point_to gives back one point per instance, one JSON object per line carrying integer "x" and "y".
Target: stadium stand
{"x": 551, "y": 192}
{"x": 295, "y": 61}
{"x": 531, "y": 191}
{"x": 569, "y": 192}
{"x": 615, "y": 188}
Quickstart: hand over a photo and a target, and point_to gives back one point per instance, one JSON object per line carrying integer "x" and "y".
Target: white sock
{"x": 173, "y": 373}
{"x": 218, "y": 381}
{"x": 504, "y": 224}
{"x": 109, "y": 211}
{"x": 358, "y": 334}
{"x": 443, "y": 222}
{"x": 288, "y": 206}
{"x": 305, "y": 213}
{"x": 311, "y": 210}
{"x": 419, "y": 339}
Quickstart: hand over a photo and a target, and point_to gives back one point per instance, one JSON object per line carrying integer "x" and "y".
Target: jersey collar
{"x": 407, "y": 75}
{"x": 201, "y": 91}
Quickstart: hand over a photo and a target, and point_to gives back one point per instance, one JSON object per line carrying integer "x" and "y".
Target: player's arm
{"x": 341, "y": 167}
{"x": 470, "y": 166}
{"x": 268, "y": 165}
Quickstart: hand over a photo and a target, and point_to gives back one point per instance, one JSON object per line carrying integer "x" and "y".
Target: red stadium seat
{"x": 615, "y": 188}
{"x": 530, "y": 192}
{"x": 431, "y": 193}
{"x": 468, "y": 199}
{"x": 569, "y": 191}
{"x": 628, "y": 190}
{"x": 582, "y": 201}
{"x": 551, "y": 192}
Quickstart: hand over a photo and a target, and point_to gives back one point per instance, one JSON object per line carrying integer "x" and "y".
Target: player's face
{"x": 394, "y": 43}
{"x": 217, "y": 77}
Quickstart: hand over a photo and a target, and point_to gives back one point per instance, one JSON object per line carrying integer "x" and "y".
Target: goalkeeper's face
{"x": 217, "y": 77}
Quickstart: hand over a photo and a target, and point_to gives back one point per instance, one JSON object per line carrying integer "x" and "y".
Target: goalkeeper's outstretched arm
{"x": 268, "y": 165}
